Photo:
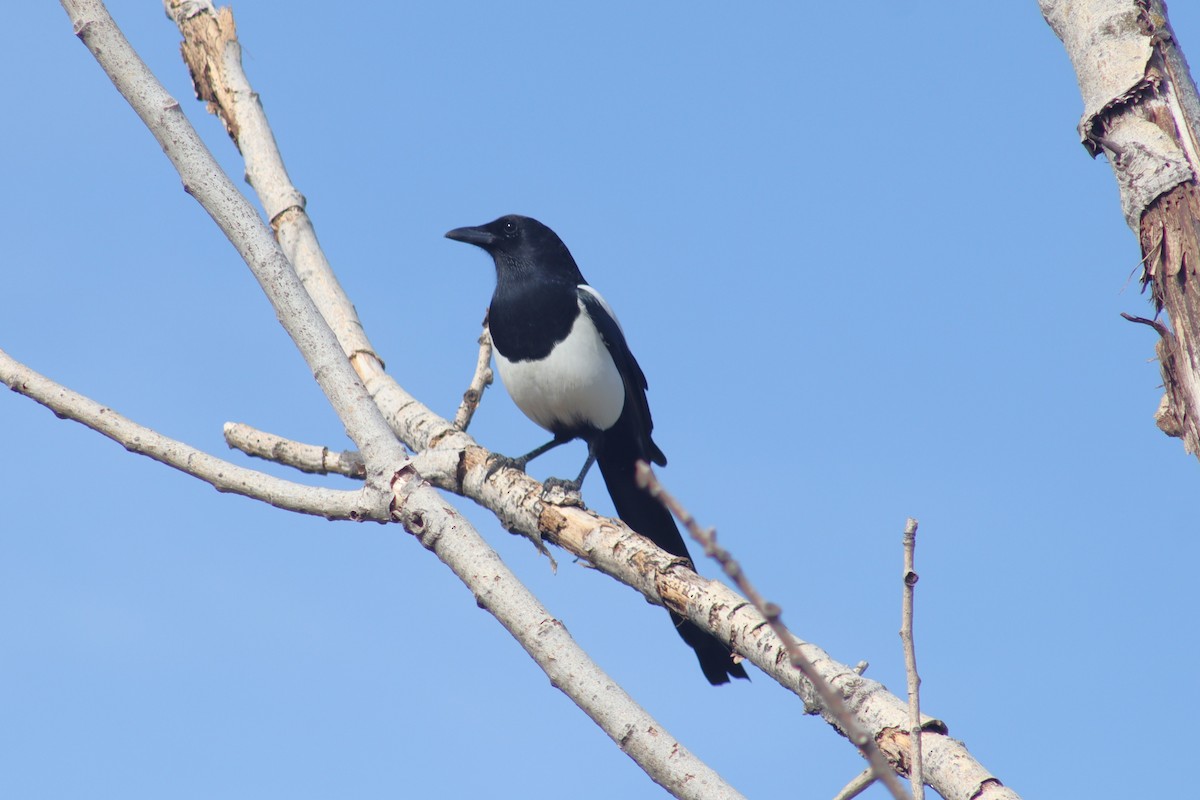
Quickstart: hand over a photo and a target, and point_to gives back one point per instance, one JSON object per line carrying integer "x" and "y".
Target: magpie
{"x": 564, "y": 360}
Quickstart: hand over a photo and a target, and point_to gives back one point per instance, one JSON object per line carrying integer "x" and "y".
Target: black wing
{"x": 637, "y": 409}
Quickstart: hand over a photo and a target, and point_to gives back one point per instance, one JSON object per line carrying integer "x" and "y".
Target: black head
{"x": 521, "y": 246}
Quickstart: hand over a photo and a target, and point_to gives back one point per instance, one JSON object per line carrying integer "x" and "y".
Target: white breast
{"x": 577, "y": 384}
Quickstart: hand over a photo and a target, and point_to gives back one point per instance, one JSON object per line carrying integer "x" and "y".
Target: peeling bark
{"x": 1141, "y": 110}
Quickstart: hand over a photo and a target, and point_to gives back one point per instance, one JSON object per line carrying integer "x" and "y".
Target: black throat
{"x": 528, "y": 317}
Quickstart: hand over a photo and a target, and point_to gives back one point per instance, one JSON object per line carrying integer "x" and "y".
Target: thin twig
{"x": 917, "y": 770}
{"x": 1162, "y": 330}
{"x": 311, "y": 458}
{"x": 857, "y": 786}
{"x": 221, "y": 475}
{"x": 479, "y": 381}
{"x": 707, "y": 537}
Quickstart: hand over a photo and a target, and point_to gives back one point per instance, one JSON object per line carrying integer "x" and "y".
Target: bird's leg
{"x": 573, "y": 487}
{"x": 498, "y": 462}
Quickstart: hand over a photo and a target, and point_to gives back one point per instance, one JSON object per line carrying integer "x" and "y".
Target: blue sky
{"x": 865, "y": 264}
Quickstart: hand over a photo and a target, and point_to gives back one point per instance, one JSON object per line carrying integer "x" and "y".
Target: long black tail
{"x": 617, "y": 453}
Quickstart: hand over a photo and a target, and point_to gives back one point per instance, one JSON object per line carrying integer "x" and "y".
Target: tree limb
{"x": 454, "y": 462}
{"x": 773, "y": 615}
{"x": 479, "y": 381}
{"x": 859, "y": 784}
{"x": 612, "y": 548}
{"x": 910, "y": 658}
{"x": 214, "y": 57}
{"x": 422, "y": 512}
{"x": 221, "y": 475}
{"x": 237, "y": 219}
{"x": 1141, "y": 108}
{"x": 310, "y": 458}
{"x": 667, "y": 762}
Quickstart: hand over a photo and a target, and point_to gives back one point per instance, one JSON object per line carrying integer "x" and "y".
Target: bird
{"x": 563, "y": 357}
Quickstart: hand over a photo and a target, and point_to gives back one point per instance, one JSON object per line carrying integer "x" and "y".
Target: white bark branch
{"x": 413, "y": 502}
{"x": 310, "y": 458}
{"x": 830, "y": 702}
{"x": 1142, "y": 109}
{"x": 479, "y": 381}
{"x": 614, "y": 549}
{"x": 221, "y": 475}
{"x": 915, "y": 728}
{"x": 1113, "y": 51}
{"x": 458, "y": 464}
{"x": 214, "y": 56}
{"x": 237, "y": 219}
{"x": 859, "y": 784}
{"x": 665, "y": 760}
{"x": 432, "y": 521}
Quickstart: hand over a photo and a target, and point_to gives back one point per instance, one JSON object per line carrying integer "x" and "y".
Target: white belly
{"x": 576, "y": 385}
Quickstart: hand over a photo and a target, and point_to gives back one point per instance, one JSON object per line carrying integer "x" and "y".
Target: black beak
{"x": 475, "y": 236}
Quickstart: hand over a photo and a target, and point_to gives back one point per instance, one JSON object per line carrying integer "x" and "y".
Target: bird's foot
{"x": 497, "y": 462}
{"x": 570, "y": 487}
{"x": 560, "y": 492}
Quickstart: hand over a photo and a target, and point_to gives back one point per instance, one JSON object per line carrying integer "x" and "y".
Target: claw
{"x": 497, "y": 462}
{"x": 568, "y": 487}
{"x": 558, "y": 492}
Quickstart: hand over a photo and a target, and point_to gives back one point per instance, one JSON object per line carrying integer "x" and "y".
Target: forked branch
{"x": 221, "y": 475}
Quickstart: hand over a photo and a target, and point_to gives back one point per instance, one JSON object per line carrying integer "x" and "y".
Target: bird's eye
{"x": 510, "y": 227}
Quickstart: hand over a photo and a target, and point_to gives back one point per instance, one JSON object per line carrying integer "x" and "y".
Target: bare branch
{"x": 438, "y": 527}
{"x": 214, "y": 57}
{"x": 773, "y": 615}
{"x": 857, "y": 786}
{"x": 917, "y": 771}
{"x": 1142, "y": 107}
{"x": 612, "y": 548}
{"x": 310, "y": 458}
{"x": 237, "y": 219}
{"x": 414, "y": 504}
{"x": 221, "y": 475}
{"x": 434, "y": 523}
{"x": 457, "y": 464}
{"x": 479, "y": 381}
